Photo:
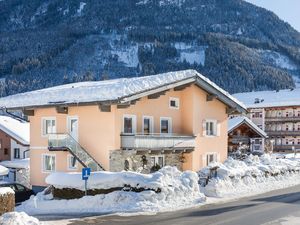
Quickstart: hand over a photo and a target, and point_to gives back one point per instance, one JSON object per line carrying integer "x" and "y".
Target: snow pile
{"x": 106, "y": 180}
{"x": 178, "y": 190}
{"x": 3, "y": 171}
{"x": 17, "y": 163}
{"x": 6, "y": 190}
{"x": 18, "y": 218}
{"x": 252, "y": 176}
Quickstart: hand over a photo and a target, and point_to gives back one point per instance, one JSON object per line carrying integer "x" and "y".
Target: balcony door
{"x": 73, "y": 127}
{"x": 147, "y": 125}
{"x": 165, "y": 125}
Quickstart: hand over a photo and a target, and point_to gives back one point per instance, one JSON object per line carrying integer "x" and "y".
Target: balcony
{"x": 278, "y": 148}
{"x": 236, "y": 139}
{"x": 283, "y": 119}
{"x": 163, "y": 142}
{"x": 283, "y": 132}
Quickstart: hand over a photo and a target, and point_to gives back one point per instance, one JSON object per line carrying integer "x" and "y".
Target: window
{"x": 298, "y": 126}
{"x": 147, "y": 124}
{"x": 211, "y": 157}
{"x": 48, "y": 126}
{"x": 286, "y": 127}
{"x": 16, "y": 153}
{"x": 72, "y": 162}
{"x": 257, "y": 115}
{"x": 6, "y": 151}
{"x": 20, "y": 187}
{"x": 298, "y": 141}
{"x": 286, "y": 141}
{"x": 165, "y": 125}
{"x": 49, "y": 163}
{"x": 129, "y": 124}
{"x": 211, "y": 128}
{"x": 174, "y": 103}
{"x": 286, "y": 114}
{"x": 158, "y": 160}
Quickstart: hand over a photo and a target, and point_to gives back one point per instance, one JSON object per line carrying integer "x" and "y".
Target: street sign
{"x": 86, "y": 172}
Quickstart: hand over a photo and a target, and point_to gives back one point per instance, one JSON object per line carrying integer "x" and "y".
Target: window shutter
{"x": 218, "y": 128}
{"x": 218, "y": 157}
{"x": 204, "y": 160}
{"x": 204, "y": 128}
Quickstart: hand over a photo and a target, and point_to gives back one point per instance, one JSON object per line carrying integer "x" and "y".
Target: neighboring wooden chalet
{"x": 244, "y": 135}
{"x": 14, "y": 138}
{"x": 139, "y": 124}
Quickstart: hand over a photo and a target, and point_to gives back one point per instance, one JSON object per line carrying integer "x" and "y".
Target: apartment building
{"x": 278, "y": 114}
{"x": 139, "y": 124}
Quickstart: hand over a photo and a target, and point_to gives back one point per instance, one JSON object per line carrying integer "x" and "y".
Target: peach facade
{"x": 99, "y": 132}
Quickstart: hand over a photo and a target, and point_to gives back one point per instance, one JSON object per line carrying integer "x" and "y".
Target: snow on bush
{"x": 178, "y": 190}
{"x": 18, "y": 218}
{"x": 252, "y": 176}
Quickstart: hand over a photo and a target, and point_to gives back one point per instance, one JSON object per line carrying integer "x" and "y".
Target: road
{"x": 281, "y": 207}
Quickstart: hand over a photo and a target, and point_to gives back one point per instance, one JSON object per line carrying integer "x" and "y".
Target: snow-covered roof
{"x": 238, "y": 120}
{"x": 116, "y": 91}
{"x": 264, "y": 99}
{"x": 17, "y": 163}
{"x": 3, "y": 171}
{"x": 17, "y": 129}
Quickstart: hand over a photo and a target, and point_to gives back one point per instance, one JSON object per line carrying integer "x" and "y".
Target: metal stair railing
{"x": 58, "y": 142}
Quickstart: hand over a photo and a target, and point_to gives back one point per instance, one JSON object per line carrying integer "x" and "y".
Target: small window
{"x": 6, "y": 151}
{"x": 165, "y": 125}
{"x": 49, "y": 126}
{"x": 158, "y": 160}
{"x": 49, "y": 163}
{"x": 211, "y": 157}
{"x": 174, "y": 103}
{"x": 72, "y": 162}
{"x": 16, "y": 153}
{"x": 211, "y": 128}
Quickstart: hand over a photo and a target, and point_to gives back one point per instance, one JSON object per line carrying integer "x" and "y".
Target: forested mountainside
{"x": 50, "y": 42}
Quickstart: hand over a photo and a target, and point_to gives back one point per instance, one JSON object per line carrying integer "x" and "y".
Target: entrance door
{"x": 73, "y": 127}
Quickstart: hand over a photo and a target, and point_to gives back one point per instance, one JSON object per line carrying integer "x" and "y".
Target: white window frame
{"x": 133, "y": 117}
{"x": 170, "y": 127}
{"x": 156, "y": 159}
{"x": 215, "y": 156}
{"x": 69, "y": 125}
{"x": 69, "y": 163}
{"x": 151, "y": 118}
{"x": 19, "y": 153}
{"x": 215, "y": 128}
{"x": 43, "y": 163}
{"x": 43, "y": 124}
{"x": 177, "y": 103}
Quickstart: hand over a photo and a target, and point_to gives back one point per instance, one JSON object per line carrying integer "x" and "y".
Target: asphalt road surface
{"x": 281, "y": 207}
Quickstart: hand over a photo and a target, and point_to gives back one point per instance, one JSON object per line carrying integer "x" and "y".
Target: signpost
{"x": 86, "y": 172}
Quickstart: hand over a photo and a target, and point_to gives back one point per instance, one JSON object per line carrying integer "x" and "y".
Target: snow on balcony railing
{"x": 156, "y": 141}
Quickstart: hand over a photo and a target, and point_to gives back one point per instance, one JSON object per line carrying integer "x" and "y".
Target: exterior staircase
{"x": 65, "y": 142}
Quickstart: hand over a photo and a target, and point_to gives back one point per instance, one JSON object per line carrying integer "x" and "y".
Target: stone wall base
{"x": 140, "y": 161}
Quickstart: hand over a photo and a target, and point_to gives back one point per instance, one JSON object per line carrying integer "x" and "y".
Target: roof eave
{"x": 221, "y": 96}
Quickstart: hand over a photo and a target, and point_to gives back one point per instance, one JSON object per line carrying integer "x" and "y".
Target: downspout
{"x": 25, "y": 153}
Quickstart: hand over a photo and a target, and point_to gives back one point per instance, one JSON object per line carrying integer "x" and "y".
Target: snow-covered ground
{"x": 18, "y": 218}
{"x": 178, "y": 190}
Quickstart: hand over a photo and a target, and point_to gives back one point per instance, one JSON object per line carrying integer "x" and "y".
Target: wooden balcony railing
{"x": 283, "y": 132}
{"x": 286, "y": 147}
{"x": 157, "y": 141}
{"x": 283, "y": 119}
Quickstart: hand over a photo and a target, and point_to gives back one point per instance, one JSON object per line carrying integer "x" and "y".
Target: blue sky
{"x": 287, "y": 10}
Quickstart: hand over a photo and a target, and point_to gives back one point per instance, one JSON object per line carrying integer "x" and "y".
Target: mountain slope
{"x": 239, "y": 46}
